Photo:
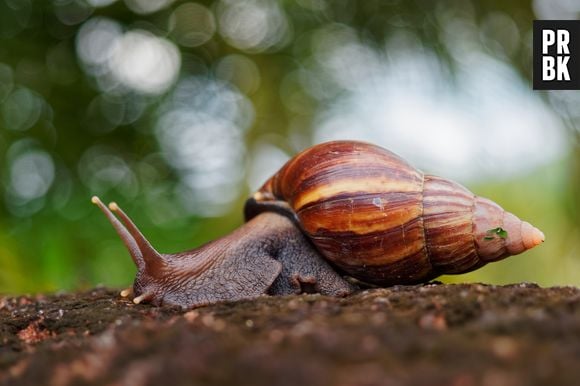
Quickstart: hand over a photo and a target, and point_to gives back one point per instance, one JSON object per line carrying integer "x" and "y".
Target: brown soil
{"x": 420, "y": 335}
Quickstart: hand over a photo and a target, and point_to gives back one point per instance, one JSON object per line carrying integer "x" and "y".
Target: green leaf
{"x": 502, "y": 233}
{"x": 499, "y": 231}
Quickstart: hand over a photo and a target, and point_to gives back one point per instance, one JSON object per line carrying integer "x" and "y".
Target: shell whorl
{"x": 382, "y": 221}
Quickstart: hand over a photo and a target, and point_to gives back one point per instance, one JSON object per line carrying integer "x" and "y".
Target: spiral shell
{"x": 382, "y": 221}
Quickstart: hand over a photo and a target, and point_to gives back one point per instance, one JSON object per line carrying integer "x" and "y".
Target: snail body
{"x": 338, "y": 208}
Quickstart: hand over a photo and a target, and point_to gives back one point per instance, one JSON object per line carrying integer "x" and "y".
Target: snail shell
{"x": 382, "y": 221}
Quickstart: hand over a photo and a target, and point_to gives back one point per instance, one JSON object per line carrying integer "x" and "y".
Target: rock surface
{"x": 419, "y": 335}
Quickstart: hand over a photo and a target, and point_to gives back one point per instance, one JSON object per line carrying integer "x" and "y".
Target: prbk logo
{"x": 556, "y": 54}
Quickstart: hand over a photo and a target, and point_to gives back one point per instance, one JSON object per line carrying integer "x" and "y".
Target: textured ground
{"x": 421, "y": 335}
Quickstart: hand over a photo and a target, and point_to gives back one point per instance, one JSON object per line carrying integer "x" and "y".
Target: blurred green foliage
{"x": 163, "y": 106}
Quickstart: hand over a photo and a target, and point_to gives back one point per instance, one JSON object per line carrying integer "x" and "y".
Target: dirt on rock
{"x": 433, "y": 334}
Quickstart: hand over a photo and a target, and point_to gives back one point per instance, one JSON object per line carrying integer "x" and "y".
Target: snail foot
{"x": 305, "y": 271}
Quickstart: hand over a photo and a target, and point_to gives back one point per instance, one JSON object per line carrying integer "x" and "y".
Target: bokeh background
{"x": 177, "y": 110}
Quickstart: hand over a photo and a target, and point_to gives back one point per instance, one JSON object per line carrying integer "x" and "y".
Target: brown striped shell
{"x": 382, "y": 221}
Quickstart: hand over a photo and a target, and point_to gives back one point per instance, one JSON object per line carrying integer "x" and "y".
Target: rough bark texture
{"x": 418, "y": 335}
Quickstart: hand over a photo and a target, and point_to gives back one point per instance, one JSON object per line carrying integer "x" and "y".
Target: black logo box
{"x": 573, "y": 27}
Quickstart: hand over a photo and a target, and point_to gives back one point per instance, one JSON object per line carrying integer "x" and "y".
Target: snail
{"x": 338, "y": 210}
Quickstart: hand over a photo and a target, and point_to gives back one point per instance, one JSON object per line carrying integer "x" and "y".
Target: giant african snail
{"x": 337, "y": 209}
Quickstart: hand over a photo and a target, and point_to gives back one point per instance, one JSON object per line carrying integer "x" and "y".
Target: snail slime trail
{"x": 338, "y": 209}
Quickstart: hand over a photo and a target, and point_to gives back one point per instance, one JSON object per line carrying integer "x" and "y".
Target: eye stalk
{"x": 143, "y": 254}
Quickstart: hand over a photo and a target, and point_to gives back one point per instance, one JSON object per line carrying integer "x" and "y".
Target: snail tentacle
{"x": 124, "y": 234}
{"x": 152, "y": 258}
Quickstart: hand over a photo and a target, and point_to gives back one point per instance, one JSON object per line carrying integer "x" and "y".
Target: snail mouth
{"x": 143, "y": 254}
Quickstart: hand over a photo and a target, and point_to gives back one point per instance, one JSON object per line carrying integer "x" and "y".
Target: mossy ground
{"x": 419, "y": 335}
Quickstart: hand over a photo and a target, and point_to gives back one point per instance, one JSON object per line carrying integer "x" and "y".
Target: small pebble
{"x": 378, "y": 319}
{"x": 432, "y": 321}
{"x": 382, "y": 300}
{"x": 190, "y": 316}
{"x": 276, "y": 336}
{"x": 504, "y": 347}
